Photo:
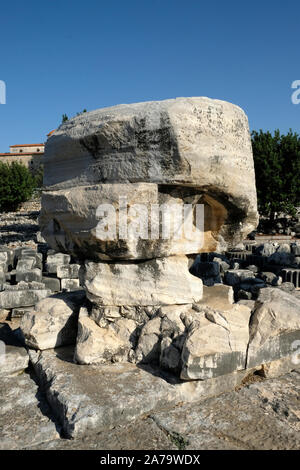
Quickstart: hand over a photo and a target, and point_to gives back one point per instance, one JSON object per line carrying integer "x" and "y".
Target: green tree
{"x": 16, "y": 185}
{"x": 277, "y": 171}
{"x": 84, "y": 111}
{"x": 65, "y": 117}
{"x": 39, "y": 176}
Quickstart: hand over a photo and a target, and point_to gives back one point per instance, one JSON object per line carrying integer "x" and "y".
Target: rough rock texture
{"x": 88, "y": 400}
{"x": 216, "y": 343}
{"x": 24, "y": 415}
{"x": 199, "y": 144}
{"x": 96, "y": 345}
{"x": 218, "y": 296}
{"x": 263, "y": 416}
{"x": 53, "y": 322}
{"x": 135, "y": 243}
{"x": 13, "y": 357}
{"x": 141, "y": 434}
{"x": 164, "y": 281}
{"x": 162, "y": 337}
{"x": 274, "y": 327}
{"x": 22, "y": 297}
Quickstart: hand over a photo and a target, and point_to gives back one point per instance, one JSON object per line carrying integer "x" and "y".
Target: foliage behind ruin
{"x": 17, "y": 185}
{"x": 277, "y": 172}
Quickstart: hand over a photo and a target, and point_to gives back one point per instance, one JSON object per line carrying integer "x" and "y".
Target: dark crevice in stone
{"x": 43, "y": 404}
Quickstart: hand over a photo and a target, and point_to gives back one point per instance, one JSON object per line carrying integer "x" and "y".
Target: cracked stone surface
{"x": 142, "y": 434}
{"x": 25, "y": 417}
{"x": 264, "y": 415}
{"x": 88, "y": 399}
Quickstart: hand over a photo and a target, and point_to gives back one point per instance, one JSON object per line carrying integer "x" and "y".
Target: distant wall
{"x": 26, "y": 149}
{"x": 33, "y": 162}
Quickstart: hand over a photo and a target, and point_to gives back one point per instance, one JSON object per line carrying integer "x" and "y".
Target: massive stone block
{"x": 191, "y": 149}
{"x": 137, "y": 162}
{"x": 164, "y": 281}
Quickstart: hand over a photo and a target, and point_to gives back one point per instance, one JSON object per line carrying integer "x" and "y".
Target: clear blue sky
{"x": 62, "y": 56}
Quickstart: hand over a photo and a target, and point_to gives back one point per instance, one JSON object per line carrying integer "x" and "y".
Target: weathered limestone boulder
{"x": 216, "y": 343}
{"x": 131, "y": 191}
{"x": 195, "y": 150}
{"x": 96, "y": 345}
{"x": 161, "y": 281}
{"x": 274, "y": 327}
{"x": 53, "y": 322}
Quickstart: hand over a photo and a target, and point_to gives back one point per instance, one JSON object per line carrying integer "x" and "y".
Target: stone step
{"x": 89, "y": 399}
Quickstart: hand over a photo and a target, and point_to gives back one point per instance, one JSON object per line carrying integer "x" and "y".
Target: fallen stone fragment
{"x": 4, "y": 314}
{"x": 234, "y": 277}
{"x": 53, "y": 322}
{"x": 271, "y": 278}
{"x": 25, "y": 264}
{"x": 96, "y": 345}
{"x": 55, "y": 260}
{"x": 274, "y": 327}
{"x": 20, "y": 312}
{"x": 51, "y": 283}
{"x": 4, "y": 260}
{"x": 162, "y": 337}
{"x": 68, "y": 271}
{"x": 9, "y": 255}
{"x": 2, "y": 277}
{"x": 34, "y": 274}
{"x": 216, "y": 343}
{"x": 22, "y": 297}
{"x": 13, "y": 356}
{"x": 70, "y": 284}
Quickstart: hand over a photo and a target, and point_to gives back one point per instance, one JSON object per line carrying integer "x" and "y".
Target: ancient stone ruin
{"x": 141, "y": 303}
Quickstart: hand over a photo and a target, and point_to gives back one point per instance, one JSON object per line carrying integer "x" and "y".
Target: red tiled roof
{"x": 27, "y": 145}
{"x": 50, "y": 133}
{"x": 20, "y": 154}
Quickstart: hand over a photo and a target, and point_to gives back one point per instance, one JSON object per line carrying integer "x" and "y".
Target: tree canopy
{"x": 16, "y": 185}
{"x": 277, "y": 171}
